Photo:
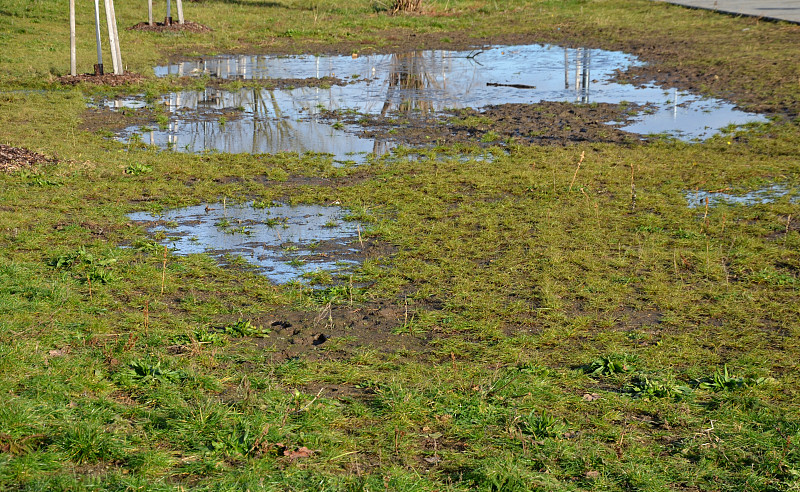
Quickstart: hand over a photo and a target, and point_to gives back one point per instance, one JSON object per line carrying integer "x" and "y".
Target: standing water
{"x": 268, "y": 120}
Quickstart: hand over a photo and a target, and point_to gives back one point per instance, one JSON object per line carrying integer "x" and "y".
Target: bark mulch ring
{"x": 105, "y": 79}
{"x": 173, "y": 27}
{"x": 16, "y": 158}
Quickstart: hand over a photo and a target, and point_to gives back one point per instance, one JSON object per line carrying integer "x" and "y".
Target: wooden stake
{"x": 98, "y": 69}
{"x": 116, "y": 39}
{"x": 179, "y": 4}
{"x": 112, "y": 42}
{"x": 150, "y": 12}
{"x": 73, "y": 57}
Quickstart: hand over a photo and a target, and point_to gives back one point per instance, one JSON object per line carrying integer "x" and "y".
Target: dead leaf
{"x": 591, "y": 396}
{"x": 301, "y": 452}
{"x": 592, "y": 474}
{"x": 433, "y": 459}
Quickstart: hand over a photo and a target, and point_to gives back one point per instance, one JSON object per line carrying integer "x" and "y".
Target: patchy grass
{"x": 518, "y": 324}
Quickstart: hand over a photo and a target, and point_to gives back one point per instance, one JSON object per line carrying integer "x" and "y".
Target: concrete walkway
{"x": 785, "y": 10}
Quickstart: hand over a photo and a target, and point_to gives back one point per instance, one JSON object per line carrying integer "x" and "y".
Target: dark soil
{"x": 545, "y": 123}
{"x": 336, "y": 332}
{"x": 16, "y": 158}
{"x": 127, "y": 78}
{"x": 173, "y": 27}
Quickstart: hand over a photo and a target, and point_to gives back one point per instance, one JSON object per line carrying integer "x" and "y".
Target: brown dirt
{"x": 127, "y": 78}
{"x": 16, "y": 158}
{"x": 545, "y": 123}
{"x": 335, "y": 332}
{"x": 187, "y": 26}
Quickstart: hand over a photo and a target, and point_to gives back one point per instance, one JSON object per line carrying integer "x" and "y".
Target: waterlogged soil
{"x": 545, "y": 123}
{"x": 110, "y": 79}
{"x": 335, "y": 332}
{"x": 187, "y": 26}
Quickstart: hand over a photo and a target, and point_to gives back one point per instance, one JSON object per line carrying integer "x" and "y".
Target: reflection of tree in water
{"x": 408, "y": 76}
{"x": 276, "y": 131}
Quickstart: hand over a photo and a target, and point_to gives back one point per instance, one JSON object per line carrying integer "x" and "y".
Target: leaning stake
{"x": 111, "y": 41}
{"x": 116, "y": 39}
{"x": 98, "y": 69}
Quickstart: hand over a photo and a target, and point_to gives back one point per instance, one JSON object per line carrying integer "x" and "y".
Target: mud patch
{"x": 127, "y": 78}
{"x": 337, "y": 332}
{"x": 187, "y": 26}
{"x": 16, "y": 158}
{"x": 546, "y": 123}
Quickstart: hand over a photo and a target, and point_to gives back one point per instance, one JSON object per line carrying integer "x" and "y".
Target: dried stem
{"x": 583, "y": 154}
{"x": 164, "y": 270}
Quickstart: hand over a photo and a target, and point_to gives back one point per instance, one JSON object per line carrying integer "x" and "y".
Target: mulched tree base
{"x": 174, "y": 27}
{"x": 105, "y": 79}
{"x": 16, "y": 158}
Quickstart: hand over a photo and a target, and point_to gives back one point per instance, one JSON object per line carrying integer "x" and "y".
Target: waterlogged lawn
{"x": 523, "y": 317}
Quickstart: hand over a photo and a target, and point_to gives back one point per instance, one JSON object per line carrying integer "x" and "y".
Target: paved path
{"x": 787, "y": 10}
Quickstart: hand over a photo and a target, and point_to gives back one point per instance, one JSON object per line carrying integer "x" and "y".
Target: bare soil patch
{"x": 16, "y": 158}
{"x": 127, "y": 78}
{"x": 545, "y": 123}
{"x": 187, "y": 26}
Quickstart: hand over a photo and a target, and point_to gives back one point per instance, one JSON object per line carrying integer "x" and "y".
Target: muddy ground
{"x": 545, "y": 123}
{"x": 338, "y": 330}
{"x": 173, "y": 26}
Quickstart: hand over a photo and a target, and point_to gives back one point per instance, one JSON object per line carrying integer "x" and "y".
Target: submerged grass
{"x": 550, "y": 332}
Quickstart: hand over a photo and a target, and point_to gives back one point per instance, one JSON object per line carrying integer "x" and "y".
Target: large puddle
{"x": 262, "y": 120}
{"x": 283, "y": 242}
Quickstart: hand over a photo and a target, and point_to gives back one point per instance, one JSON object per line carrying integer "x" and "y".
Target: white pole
{"x": 118, "y": 51}
{"x": 73, "y": 57}
{"x": 111, "y": 41}
{"x": 150, "y": 12}
{"x": 169, "y": 13}
{"x": 179, "y": 3}
{"x": 98, "y": 69}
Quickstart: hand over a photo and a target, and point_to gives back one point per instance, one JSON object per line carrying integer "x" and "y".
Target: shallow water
{"x": 254, "y": 121}
{"x": 769, "y": 194}
{"x": 421, "y": 82}
{"x": 283, "y": 242}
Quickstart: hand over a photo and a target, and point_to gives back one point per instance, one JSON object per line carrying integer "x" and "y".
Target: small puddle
{"x": 283, "y": 242}
{"x": 770, "y": 194}
{"x": 425, "y": 82}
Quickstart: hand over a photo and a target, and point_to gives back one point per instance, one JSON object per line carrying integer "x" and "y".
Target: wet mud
{"x": 127, "y": 78}
{"x": 545, "y": 123}
{"x": 187, "y": 26}
{"x": 336, "y": 332}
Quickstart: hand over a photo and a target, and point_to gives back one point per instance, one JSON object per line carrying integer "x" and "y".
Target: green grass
{"x": 542, "y": 338}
